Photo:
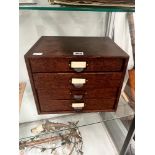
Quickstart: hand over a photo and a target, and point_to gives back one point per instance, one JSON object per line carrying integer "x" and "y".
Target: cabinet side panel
{"x": 32, "y": 83}
{"x": 121, "y": 83}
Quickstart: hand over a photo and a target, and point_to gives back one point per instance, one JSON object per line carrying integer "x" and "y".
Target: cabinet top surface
{"x": 76, "y": 46}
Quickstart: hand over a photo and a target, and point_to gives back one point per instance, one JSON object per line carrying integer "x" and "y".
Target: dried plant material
{"x": 41, "y": 141}
{"x": 38, "y": 129}
{"x": 53, "y": 136}
{"x": 107, "y": 3}
{"x": 22, "y": 86}
{"x": 48, "y": 126}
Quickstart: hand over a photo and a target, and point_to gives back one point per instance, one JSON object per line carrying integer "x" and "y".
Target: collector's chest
{"x": 72, "y": 74}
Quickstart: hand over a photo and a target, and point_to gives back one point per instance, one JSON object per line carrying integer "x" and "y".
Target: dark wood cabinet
{"x": 76, "y": 74}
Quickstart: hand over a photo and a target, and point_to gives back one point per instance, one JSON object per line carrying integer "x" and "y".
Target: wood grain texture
{"x": 66, "y": 105}
{"x": 132, "y": 83}
{"x": 63, "y": 80}
{"x": 64, "y": 47}
{"x": 32, "y": 84}
{"x": 50, "y": 73}
{"x": 48, "y": 64}
{"x": 68, "y": 94}
{"x": 121, "y": 83}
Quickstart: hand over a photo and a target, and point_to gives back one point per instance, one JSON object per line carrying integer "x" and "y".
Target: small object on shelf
{"x": 103, "y": 3}
{"x": 54, "y": 136}
{"x": 52, "y": 5}
{"x": 27, "y": 2}
{"x": 48, "y": 126}
{"x": 22, "y": 86}
{"x": 51, "y": 1}
{"x": 57, "y": 86}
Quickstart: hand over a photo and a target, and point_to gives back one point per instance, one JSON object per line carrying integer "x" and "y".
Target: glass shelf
{"x": 103, "y": 128}
{"x": 44, "y": 5}
{"x": 85, "y": 119}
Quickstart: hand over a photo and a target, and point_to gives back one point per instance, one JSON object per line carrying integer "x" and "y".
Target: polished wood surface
{"x": 69, "y": 94}
{"x": 63, "y": 80}
{"x": 50, "y": 64}
{"x": 65, "y": 46}
{"x": 66, "y": 105}
{"x": 49, "y": 67}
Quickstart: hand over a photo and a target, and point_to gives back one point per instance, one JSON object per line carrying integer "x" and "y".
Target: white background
{"x": 145, "y": 77}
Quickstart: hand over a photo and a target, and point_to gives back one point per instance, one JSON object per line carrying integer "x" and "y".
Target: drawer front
{"x": 47, "y": 64}
{"x": 76, "y": 80}
{"x": 67, "y": 94}
{"x": 66, "y": 105}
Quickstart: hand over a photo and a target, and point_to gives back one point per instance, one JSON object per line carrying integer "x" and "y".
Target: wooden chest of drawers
{"x": 76, "y": 74}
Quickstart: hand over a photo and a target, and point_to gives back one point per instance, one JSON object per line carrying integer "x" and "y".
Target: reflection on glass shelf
{"x": 95, "y": 135}
{"x": 85, "y": 119}
{"x": 45, "y": 5}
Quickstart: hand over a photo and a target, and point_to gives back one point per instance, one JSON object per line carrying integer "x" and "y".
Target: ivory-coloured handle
{"x": 78, "y": 64}
{"x": 77, "y": 105}
{"x": 78, "y": 81}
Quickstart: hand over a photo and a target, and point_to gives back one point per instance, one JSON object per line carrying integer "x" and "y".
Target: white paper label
{"x": 38, "y": 53}
{"x": 78, "y": 53}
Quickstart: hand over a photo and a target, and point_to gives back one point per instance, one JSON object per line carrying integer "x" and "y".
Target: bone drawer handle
{"x": 78, "y": 66}
{"x": 78, "y": 82}
{"x": 77, "y": 106}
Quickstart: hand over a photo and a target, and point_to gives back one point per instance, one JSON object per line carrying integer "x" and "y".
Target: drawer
{"x": 70, "y": 80}
{"x": 49, "y": 64}
{"x": 67, "y": 94}
{"x": 90, "y": 105}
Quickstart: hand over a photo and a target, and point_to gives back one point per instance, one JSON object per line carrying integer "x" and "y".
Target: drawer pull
{"x": 78, "y": 82}
{"x": 77, "y": 106}
{"x": 77, "y": 97}
{"x": 78, "y": 66}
